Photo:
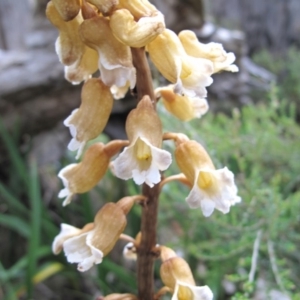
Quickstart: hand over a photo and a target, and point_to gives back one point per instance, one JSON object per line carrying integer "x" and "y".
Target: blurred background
{"x": 252, "y": 128}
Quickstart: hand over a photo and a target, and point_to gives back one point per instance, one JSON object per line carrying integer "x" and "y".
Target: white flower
{"x": 79, "y": 250}
{"x": 142, "y": 162}
{"x": 143, "y": 158}
{"x": 77, "y": 246}
{"x": 184, "y": 291}
{"x": 213, "y": 189}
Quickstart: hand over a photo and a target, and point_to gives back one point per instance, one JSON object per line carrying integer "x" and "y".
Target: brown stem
{"x": 144, "y": 84}
{"x": 146, "y": 256}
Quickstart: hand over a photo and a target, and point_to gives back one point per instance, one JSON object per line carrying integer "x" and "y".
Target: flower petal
{"x": 66, "y": 232}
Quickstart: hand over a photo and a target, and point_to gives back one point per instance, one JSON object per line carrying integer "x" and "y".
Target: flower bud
{"x": 68, "y": 45}
{"x": 143, "y": 158}
{"x": 82, "y": 177}
{"x": 68, "y": 9}
{"x": 136, "y": 34}
{"x": 181, "y": 106}
{"x": 104, "y": 6}
{"x": 138, "y": 8}
{"x": 87, "y": 122}
{"x": 115, "y": 60}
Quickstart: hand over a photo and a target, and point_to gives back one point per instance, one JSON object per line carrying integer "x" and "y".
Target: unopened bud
{"x": 104, "y": 6}
{"x": 136, "y": 33}
{"x": 68, "y": 9}
{"x": 138, "y": 8}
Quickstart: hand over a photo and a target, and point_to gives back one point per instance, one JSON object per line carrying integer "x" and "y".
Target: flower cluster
{"x": 103, "y": 35}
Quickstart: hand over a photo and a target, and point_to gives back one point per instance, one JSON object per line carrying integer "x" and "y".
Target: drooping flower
{"x": 190, "y": 75}
{"x": 88, "y": 246}
{"x": 181, "y": 106}
{"x": 212, "y": 189}
{"x": 222, "y": 61}
{"x": 87, "y": 122}
{"x": 82, "y": 177}
{"x": 143, "y": 158}
{"x": 115, "y": 59}
{"x": 177, "y": 276}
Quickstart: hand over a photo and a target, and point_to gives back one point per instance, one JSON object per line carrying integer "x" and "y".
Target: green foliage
{"x": 260, "y": 144}
{"x": 286, "y": 68}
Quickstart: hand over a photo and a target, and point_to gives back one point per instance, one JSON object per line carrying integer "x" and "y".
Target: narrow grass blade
{"x": 21, "y": 264}
{"x": 14, "y": 203}
{"x": 35, "y": 232}
{"x": 9, "y": 290}
{"x": 15, "y": 224}
{"x": 13, "y": 153}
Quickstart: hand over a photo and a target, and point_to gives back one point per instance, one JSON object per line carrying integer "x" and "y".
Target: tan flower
{"x": 115, "y": 60}
{"x": 87, "y": 122}
{"x": 68, "y": 45}
{"x": 82, "y": 177}
{"x": 189, "y": 74}
{"x": 136, "y": 33}
{"x": 88, "y": 246}
{"x": 222, "y": 61}
{"x": 211, "y": 188}
{"x": 177, "y": 275}
{"x": 181, "y": 106}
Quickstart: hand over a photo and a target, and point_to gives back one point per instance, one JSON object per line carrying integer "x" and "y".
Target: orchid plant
{"x": 114, "y": 37}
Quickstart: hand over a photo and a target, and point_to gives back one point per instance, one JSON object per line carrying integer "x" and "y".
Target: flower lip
{"x": 142, "y": 162}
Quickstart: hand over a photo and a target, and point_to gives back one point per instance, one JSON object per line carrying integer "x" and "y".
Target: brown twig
{"x": 146, "y": 256}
